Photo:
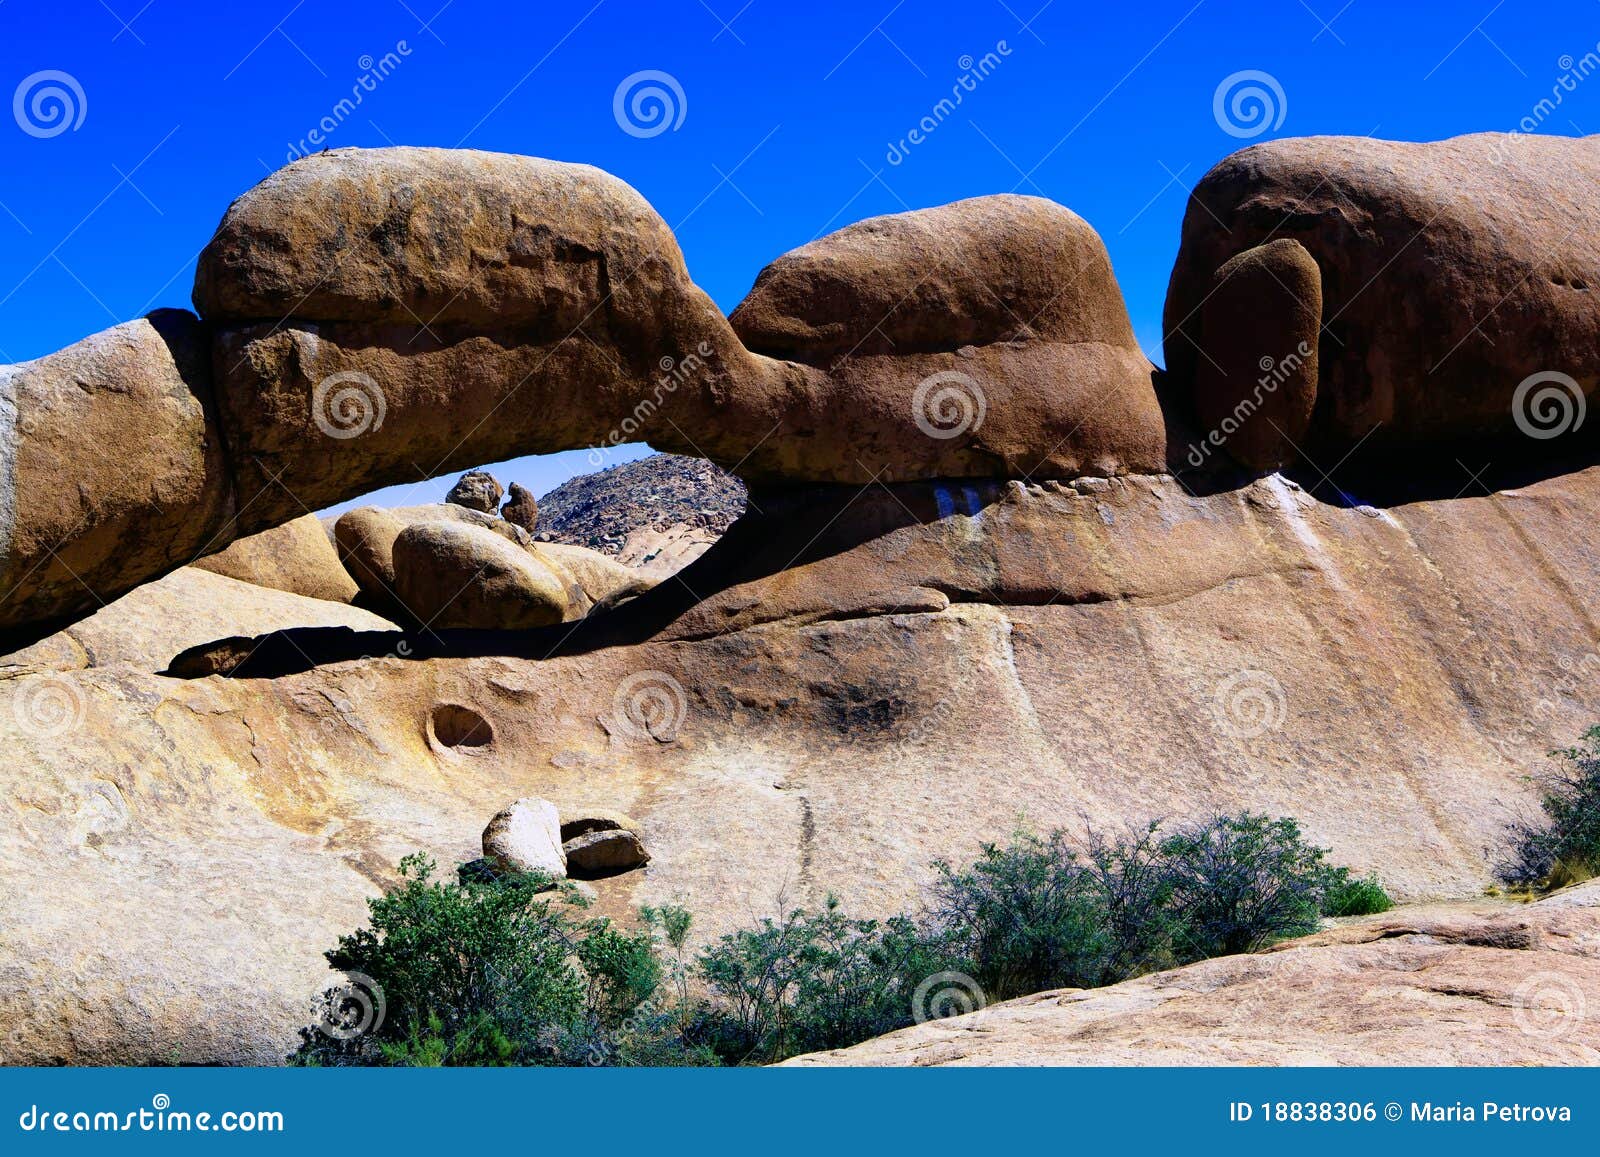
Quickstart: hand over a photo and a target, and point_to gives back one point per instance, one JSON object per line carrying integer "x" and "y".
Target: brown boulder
{"x": 1255, "y": 391}
{"x": 602, "y": 579}
{"x": 113, "y": 467}
{"x": 365, "y": 538}
{"x": 983, "y": 337}
{"x": 521, "y": 508}
{"x": 605, "y": 852}
{"x": 450, "y": 574}
{"x": 297, "y": 557}
{"x": 476, "y": 490}
{"x": 1451, "y": 272}
{"x": 588, "y": 819}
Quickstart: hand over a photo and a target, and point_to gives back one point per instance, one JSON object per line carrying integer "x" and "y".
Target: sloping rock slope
{"x": 874, "y": 678}
{"x": 605, "y": 511}
{"x": 1484, "y": 986}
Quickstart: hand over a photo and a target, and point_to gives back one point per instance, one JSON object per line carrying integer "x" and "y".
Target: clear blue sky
{"x": 789, "y": 112}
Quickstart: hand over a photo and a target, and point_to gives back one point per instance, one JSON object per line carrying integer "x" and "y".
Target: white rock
{"x": 526, "y": 837}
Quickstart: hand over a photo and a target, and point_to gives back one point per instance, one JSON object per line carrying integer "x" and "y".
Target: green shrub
{"x": 1565, "y": 848}
{"x": 1238, "y": 883}
{"x": 484, "y": 972}
{"x": 812, "y": 981}
{"x": 508, "y": 971}
{"x": 1347, "y": 895}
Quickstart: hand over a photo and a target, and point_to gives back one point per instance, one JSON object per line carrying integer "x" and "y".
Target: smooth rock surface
{"x": 297, "y": 557}
{"x": 1088, "y": 657}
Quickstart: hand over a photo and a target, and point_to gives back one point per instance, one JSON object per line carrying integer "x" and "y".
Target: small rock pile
{"x": 528, "y": 835}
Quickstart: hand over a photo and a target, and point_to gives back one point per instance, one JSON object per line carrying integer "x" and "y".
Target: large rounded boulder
{"x": 111, "y": 468}
{"x": 983, "y": 337}
{"x": 1450, "y": 273}
{"x": 455, "y": 574}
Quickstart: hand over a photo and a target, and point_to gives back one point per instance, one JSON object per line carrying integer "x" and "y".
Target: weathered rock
{"x": 657, "y": 555}
{"x": 992, "y": 329}
{"x": 605, "y": 852}
{"x": 582, "y": 821}
{"x": 449, "y": 574}
{"x": 473, "y": 305}
{"x": 113, "y": 470}
{"x": 297, "y": 557}
{"x": 1490, "y": 987}
{"x": 1089, "y": 657}
{"x": 148, "y": 626}
{"x": 526, "y": 837}
{"x": 365, "y": 541}
{"x": 521, "y": 508}
{"x": 1256, "y": 388}
{"x": 476, "y": 490}
{"x": 602, "y": 580}
{"x": 1451, "y": 271}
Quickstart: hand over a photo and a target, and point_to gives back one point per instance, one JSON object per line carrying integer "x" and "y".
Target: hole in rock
{"x": 457, "y": 726}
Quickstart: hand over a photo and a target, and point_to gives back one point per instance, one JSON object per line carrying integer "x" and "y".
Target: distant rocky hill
{"x": 658, "y": 494}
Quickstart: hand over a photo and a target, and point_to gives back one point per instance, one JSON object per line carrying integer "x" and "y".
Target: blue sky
{"x": 789, "y": 115}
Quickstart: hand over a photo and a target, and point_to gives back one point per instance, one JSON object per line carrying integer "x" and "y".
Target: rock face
{"x": 471, "y": 304}
{"x": 602, "y": 580}
{"x": 1450, "y": 273}
{"x": 994, "y": 324}
{"x": 297, "y": 557}
{"x": 526, "y": 837}
{"x": 476, "y": 490}
{"x": 933, "y": 664}
{"x": 147, "y": 627}
{"x": 366, "y": 538}
{"x": 450, "y": 574}
{"x": 521, "y": 508}
{"x": 111, "y": 468}
{"x": 1441, "y": 987}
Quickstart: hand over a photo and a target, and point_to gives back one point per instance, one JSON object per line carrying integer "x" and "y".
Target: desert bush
{"x": 485, "y": 972}
{"x": 1565, "y": 847}
{"x": 810, "y": 981}
{"x": 1347, "y": 895}
{"x": 1239, "y": 883}
{"x": 497, "y": 971}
